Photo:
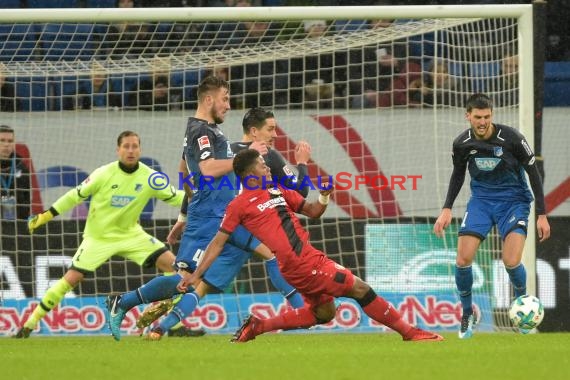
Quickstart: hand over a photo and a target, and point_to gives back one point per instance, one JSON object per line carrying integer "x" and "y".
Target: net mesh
{"x": 380, "y": 98}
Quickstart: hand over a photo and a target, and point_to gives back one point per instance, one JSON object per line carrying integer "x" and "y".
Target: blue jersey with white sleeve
{"x": 204, "y": 141}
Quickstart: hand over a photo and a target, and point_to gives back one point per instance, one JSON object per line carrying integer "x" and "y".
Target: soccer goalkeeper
{"x": 119, "y": 192}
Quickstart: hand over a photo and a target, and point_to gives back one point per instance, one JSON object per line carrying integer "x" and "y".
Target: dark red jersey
{"x": 269, "y": 214}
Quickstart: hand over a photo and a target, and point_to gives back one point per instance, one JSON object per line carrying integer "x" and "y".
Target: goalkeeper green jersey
{"x": 117, "y": 200}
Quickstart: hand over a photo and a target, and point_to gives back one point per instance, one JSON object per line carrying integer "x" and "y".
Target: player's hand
{"x": 260, "y": 146}
{"x": 543, "y": 228}
{"x": 302, "y": 152}
{"x": 35, "y": 221}
{"x": 326, "y": 189}
{"x": 175, "y": 233}
{"x": 442, "y": 222}
{"x": 188, "y": 279}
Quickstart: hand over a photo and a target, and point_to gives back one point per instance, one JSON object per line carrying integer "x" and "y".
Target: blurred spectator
{"x": 96, "y": 92}
{"x": 314, "y": 78}
{"x": 261, "y": 83}
{"x": 8, "y": 100}
{"x": 434, "y": 87}
{"x": 171, "y": 3}
{"x": 383, "y": 77}
{"x": 508, "y": 82}
{"x": 155, "y": 93}
{"x": 557, "y": 48}
{"x": 14, "y": 179}
{"x": 127, "y": 39}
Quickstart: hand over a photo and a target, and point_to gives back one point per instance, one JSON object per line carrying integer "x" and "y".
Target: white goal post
{"x": 347, "y": 137}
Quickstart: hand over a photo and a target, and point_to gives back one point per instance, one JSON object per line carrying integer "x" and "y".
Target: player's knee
{"x": 511, "y": 262}
{"x": 367, "y": 297}
{"x": 325, "y": 313}
{"x": 163, "y": 260}
{"x": 463, "y": 261}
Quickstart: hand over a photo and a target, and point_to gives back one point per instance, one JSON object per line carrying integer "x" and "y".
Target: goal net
{"x": 377, "y": 91}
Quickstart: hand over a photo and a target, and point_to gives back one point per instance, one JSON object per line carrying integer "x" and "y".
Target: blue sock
{"x": 276, "y": 278}
{"x": 182, "y": 309}
{"x": 159, "y": 288}
{"x": 464, "y": 282}
{"x": 518, "y": 279}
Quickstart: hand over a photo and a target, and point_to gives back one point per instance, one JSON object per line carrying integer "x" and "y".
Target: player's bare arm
{"x": 543, "y": 228}
{"x": 215, "y": 167}
{"x": 210, "y": 254}
{"x": 316, "y": 209}
{"x": 442, "y": 222}
{"x": 218, "y": 167}
{"x": 183, "y": 168}
{"x": 263, "y": 252}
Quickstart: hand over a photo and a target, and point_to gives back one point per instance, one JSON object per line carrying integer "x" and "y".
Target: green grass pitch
{"x": 289, "y": 356}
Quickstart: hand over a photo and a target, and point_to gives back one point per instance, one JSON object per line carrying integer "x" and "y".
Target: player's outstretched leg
{"x": 154, "y": 311}
{"x": 417, "y": 335}
{"x": 291, "y": 319}
{"x": 23, "y": 333}
{"x": 289, "y": 292}
{"x": 247, "y": 331}
{"x": 382, "y": 311}
{"x": 50, "y": 300}
{"x": 181, "y": 310}
{"x": 116, "y": 315}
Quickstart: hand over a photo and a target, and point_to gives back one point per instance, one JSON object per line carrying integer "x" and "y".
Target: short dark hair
{"x": 127, "y": 134}
{"x": 6, "y": 129}
{"x": 255, "y": 118}
{"x": 479, "y": 101}
{"x": 244, "y": 162}
{"x": 209, "y": 84}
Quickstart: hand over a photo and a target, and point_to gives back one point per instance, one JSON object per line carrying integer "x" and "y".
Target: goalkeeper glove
{"x": 36, "y": 221}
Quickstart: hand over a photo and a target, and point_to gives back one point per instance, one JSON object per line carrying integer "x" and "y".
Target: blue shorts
{"x": 198, "y": 234}
{"x": 482, "y": 214}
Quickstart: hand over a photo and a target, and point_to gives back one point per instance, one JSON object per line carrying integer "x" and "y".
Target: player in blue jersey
{"x": 208, "y": 158}
{"x": 497, "y": 157}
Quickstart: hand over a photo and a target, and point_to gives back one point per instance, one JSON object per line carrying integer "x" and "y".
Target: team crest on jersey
{"x": 138, "y": 187}
{"x": 203, "y": 142}
{"x": 274, "y": 191}
{"x": 498, "y": 151}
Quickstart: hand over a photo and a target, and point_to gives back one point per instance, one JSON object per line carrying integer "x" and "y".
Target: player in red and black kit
{"x": 269, "y": 214}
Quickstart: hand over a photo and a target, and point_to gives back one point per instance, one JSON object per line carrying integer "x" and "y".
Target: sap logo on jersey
{"x": 120, "y": 200}
{"x": 487, "y": 164}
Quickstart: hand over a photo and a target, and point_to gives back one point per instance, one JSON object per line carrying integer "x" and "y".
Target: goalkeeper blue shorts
{"x": 198, "y": 234}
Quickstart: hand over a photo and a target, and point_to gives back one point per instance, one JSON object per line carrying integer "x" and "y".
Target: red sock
{"x": 291, "y": 319}
{"x": 383, "y": 312}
